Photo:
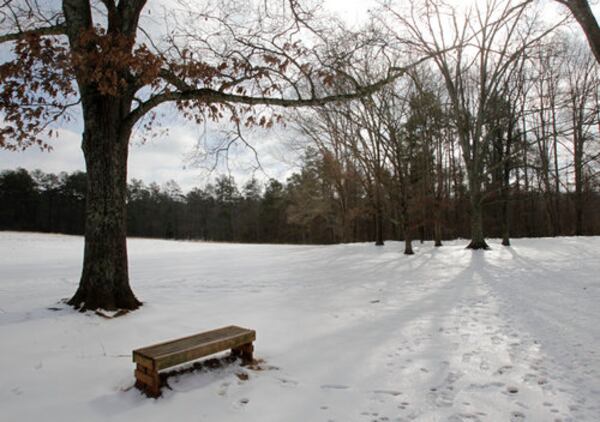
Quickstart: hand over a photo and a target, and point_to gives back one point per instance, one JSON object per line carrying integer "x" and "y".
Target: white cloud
{"x": 168, "y": 157}
{"x": 66, "y": 155}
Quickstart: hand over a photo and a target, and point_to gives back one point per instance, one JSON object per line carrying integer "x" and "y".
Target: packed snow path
{"x": 347, "y": 333}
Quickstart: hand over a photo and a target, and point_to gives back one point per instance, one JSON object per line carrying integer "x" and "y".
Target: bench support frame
{"x": 244, "y": 352}
{"x": 147, "y": 380}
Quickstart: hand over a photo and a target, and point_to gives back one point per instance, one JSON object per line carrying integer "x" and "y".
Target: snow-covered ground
{"x": 347, "y": 333}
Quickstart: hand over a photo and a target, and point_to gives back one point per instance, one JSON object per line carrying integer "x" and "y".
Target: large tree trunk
{"x": 477, "y": 237}
{"x": 506, "y": 167}
{"x": 474, "y": 173}
{"x": 578, "y": 155}
{"x": 505, "y": 223}
{"x": 438, "y": 231}
{"x": 378, "y": 226}
{"x": 422, "y": 233}
{"x": 408, "y": 250}
{"x": 439, "y": 189}
{"x": 378, "y": 214}
{"x": 105, "y": 280}
{"x": 505, "y": 211}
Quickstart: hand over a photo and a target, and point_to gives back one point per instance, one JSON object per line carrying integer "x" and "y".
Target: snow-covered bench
{"x": 165, "y": 355}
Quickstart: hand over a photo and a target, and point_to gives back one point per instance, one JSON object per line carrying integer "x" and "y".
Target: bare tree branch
{"x": 40, "y": 32}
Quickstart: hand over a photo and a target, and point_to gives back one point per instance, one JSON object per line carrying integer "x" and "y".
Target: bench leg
{"x": 147, "y": 380}
{"x": 244, "y": 352}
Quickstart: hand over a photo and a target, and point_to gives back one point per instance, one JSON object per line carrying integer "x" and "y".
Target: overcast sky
{"x": 170, "y": 157}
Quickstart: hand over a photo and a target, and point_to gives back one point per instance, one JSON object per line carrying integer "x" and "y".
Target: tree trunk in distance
{"x": 477, "y": 238}
{"x": 438, "y": 233}
{"x": 378, "y": 227}
{"x": 408, "y": 250}
{"x": 505, "y": 223}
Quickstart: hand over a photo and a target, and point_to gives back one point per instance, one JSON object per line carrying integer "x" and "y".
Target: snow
{"x": 348, "y": 332}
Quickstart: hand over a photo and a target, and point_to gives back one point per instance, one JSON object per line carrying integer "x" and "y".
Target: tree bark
{"x": 105, "y": 278}
{"x": 477, "y": 237}
{"x": 378, "y": 211}
{"x": 438, "y": 233}
{"x": 408, "y": 250}
{"x": 439, "y": 189}
{"x": 505, "y": 223}
{"x": 379, "y": 226}
{"x": 506, "y": 167}
{"x": 578, "y": 162}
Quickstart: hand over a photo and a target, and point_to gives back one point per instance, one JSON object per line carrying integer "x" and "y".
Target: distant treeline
{"x": 305, "y": 209}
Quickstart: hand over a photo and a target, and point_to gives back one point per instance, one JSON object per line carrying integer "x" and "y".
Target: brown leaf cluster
{"x": 111, "y": 64}
{"x": 35, "y": 88}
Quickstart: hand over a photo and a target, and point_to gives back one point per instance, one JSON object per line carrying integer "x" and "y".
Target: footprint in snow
{"x": 464, "y": 417}
{"x": 504, "y": 370}
{"x": 388, "y": 392}
{"x": 287, "y": 382}
{"x": 334, "y": 387}
{"x": 517, "y": 417}
{"x": 512, "y": 389}
{"x": 241, "y": 403}
{"x": 486, "y": 386}
{"x": 223, "y": 389}
{"x": 496, "y": 340}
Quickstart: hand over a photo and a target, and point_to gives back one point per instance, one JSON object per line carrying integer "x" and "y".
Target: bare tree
{"x": 329, "y": 131}
{"x": 425, "y": 127}
{"x": 210, "y": 61}
{"x": 387, "y": 113}
{"x": 582, "y": 92}
{"x": 488, "y": 42}
{"x": 546, "y": 73}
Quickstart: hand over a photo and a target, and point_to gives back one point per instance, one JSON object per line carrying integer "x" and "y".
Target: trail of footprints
{"x": 477, "y": 337}
{"x": 527, "y": 369}
{"x": 473, "y": 336}
{"x": 486, "y": 335}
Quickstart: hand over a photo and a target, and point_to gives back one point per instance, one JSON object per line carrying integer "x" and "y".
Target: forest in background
{"x": 304, "y": 209}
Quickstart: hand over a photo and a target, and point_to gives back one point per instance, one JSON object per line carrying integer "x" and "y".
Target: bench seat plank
{"x": 174, "y": 352}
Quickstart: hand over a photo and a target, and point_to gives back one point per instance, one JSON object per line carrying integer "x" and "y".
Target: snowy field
{"x": 347, "y": 333}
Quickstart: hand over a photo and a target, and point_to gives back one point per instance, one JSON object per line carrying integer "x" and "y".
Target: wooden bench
{"x": 153, "y": 358}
